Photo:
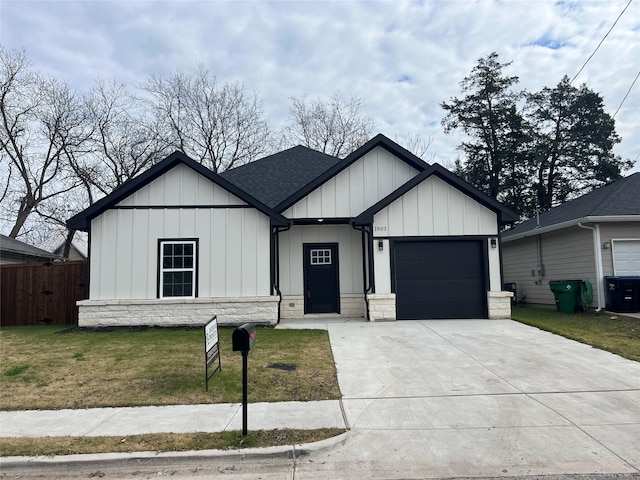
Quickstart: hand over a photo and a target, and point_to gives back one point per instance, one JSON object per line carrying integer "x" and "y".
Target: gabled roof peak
{"x": 505, "y": 215}
{"x": 378, "y": 141}
{"x": 82, "y": 220}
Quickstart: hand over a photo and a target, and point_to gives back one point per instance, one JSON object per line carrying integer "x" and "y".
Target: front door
{"x": 321, "y": 290}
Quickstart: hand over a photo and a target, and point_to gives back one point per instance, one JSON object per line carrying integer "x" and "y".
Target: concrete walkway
{"x": 450, "y": 398}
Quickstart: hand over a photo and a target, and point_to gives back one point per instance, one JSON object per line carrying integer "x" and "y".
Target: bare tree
{"x": 42, "y": 123}
{"x": 220, "y": 126}
{"x": 335, "y": 127}
{"x": 415, "y": 143}
{"x": 124, "y": 143}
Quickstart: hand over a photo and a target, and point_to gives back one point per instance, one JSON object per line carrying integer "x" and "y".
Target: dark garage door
{"x": 439, "y": 279}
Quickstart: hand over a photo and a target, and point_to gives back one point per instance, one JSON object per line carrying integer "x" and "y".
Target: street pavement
{"x": 421, "y": 399}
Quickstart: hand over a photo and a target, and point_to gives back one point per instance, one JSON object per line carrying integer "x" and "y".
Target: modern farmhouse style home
{"x": 380, "y": 234}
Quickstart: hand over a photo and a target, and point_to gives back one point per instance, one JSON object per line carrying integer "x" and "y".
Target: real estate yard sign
{"x": 211, "y": 349}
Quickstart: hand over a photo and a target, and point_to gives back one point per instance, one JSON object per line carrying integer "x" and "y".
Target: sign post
{"x": 243, "y": 340}
{"x": 245, "y": 390}
{"x": 211, "y": 350}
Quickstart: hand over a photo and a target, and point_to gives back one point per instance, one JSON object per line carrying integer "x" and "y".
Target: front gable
{"x": 181, "y": 186}
{"x": 434, "y": 208}
{"x": 356, "y": 183}
{"x": 440, "y": 199}
{"x": 177, "y": 181}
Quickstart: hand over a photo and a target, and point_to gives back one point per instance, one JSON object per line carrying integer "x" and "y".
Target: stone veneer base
{"x": 239, "y": 310}
{"x": 174, "y": 312}
{"x": 499, "y": 305}
{"x": 382, "y": 307}
{"x": 351, "y": 305}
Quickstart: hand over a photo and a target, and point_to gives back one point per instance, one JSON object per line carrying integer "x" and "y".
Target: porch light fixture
{"x": 606, "y": 245}
{"x": 494, "y": 243}
{"x": 380, "y": 245}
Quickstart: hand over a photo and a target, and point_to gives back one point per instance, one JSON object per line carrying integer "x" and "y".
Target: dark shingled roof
{"x": 12, "y": 246}
{"x": 621, "y": 197}
{"x": 275, "y": 178}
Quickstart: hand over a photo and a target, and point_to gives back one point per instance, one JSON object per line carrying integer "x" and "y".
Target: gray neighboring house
{"x": 593, "y": 236}
{"x": 14, "y": 251}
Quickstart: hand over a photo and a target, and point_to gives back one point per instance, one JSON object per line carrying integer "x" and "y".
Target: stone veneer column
{"x": 499, "y": 304}
{"x": 382, "y": 307}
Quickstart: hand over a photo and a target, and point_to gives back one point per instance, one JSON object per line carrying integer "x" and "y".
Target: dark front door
{"x": 321, "y": 290}
{"x": 439, "y": 279}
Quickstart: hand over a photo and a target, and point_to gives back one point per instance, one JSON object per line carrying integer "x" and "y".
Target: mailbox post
{"x": 243, "y": 340}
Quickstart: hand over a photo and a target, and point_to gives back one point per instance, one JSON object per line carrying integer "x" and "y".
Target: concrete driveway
{"x": 451, "y": 398}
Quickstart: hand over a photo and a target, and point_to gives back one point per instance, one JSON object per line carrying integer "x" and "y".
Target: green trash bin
{"x": 567, "y": 293}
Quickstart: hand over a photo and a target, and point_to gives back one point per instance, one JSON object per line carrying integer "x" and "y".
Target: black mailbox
{"x": 244, "y": 338}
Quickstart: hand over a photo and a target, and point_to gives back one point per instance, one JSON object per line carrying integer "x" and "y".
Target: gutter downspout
{"x": 540, "y": 267}
{"x": 276, "y": 265}
{"x": 598, "y": 259}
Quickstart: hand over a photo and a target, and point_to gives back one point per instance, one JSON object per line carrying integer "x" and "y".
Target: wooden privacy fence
{"x": 37, "y": 294}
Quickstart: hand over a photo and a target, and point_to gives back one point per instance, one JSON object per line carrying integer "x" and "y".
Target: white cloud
{"x": 404, "y": 58}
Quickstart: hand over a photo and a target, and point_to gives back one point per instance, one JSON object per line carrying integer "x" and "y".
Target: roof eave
{"x": 570, "y": 223}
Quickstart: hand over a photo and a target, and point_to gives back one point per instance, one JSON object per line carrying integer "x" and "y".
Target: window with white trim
{"x": 320, "y": 256}
{"x": 178, "y": 268}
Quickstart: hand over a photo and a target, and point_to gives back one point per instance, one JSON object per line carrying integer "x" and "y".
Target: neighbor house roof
{"x": 378, "y": 141}
{"x": 82, "y": 220}
{"x": 15, "y": 249}
{"x": 505, "y": 215}
{"x": 56, "y": 244}
{"x": 274, "y": 178}
{"x": 617, "y": 201}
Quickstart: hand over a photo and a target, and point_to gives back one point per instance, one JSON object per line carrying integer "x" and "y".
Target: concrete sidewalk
{"x": 123, "y": 421}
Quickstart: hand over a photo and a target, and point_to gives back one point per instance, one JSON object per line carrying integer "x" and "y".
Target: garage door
{"x": 626, "y": 257}
{"x": 439, "y": 279}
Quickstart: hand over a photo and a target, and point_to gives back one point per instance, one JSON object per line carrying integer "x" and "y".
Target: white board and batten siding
{"x": 367, "y": 181}
{"x": 181, "y": 186}
{"x": 432, "y": 208}
{"x": 349, "y": 256}
{"x": 233, "y": 242}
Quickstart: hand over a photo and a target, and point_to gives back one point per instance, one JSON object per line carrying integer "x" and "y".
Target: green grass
{"x": 165, "y": 442}
{"x": 49, "y": 367}
{"x": 611, "y": 332}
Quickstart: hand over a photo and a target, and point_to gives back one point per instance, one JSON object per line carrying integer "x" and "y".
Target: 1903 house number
{"x": 379, "y": 229}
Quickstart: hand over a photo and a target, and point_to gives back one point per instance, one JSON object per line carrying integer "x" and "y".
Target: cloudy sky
{"x": 403, "y": 58}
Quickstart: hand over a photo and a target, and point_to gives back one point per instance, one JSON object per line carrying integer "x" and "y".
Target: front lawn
{"x": 161, "y": 442}
{"x": 50, "y": 367}
{"x": 611, "y": 332}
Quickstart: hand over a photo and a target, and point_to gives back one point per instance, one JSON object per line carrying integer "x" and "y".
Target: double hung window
{"x": 178, "y": 268}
